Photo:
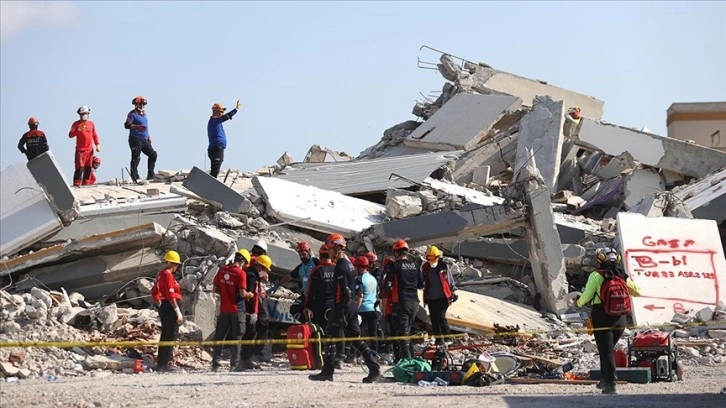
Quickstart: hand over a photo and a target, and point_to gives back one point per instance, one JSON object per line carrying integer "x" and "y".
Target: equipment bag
{"x": 406, "y": 369}
{"x": 614, "y": 294}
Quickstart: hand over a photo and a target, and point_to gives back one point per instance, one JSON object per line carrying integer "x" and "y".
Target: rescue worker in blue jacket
{"x": 139, "y": 139}
{"x": 368, "y": 308}
{"x": 216, "y": 135}
{"x": 303, "y": 269}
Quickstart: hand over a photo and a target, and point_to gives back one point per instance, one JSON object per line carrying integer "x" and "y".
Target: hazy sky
{"x": 330, "y": 73}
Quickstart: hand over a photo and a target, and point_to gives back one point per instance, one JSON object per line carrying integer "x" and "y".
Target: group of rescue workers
{"x": 34, "y": 142}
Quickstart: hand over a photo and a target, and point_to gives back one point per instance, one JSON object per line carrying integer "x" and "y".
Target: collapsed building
{"x": 516, "y": 180}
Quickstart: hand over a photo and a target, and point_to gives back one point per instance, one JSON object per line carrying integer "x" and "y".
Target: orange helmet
{"x": 399, "y": 245}
{"x": 138, "y": 100}
{"x": 303, "y": 246}
{"x": 218, "y": 107}
{"x": 335, "y": 239}
{"x": 371, "y": 257}
{"x": 33, "y": 120}
{"x": 361, "y": 261}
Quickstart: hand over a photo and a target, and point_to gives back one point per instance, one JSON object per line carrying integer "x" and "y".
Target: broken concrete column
{"x": 541, "y": 131}
{"x": 545, "y": 247}
{"x": 204, "y": 313}
{"x": 48, "y": 174}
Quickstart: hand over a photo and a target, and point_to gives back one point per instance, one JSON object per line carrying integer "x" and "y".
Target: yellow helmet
{"x": 265, "y": 261}
{"x": 244, "y": 254}
{"x": 173, "y": 257}
{"x": 433, "y": 251}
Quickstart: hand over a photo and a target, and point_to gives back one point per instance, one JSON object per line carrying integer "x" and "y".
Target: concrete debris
{"x": 201, "y": 183}
{"x": 47, "y": 172}
{"x": 320, "y": 154}
{"x": 402, "y": 204}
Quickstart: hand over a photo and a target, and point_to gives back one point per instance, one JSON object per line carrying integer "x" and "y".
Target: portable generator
{"x": 654, "y": 349}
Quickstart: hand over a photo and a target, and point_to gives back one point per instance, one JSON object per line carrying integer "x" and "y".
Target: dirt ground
{"x": 281, "y": 387}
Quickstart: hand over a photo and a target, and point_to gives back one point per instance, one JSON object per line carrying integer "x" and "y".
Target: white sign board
{"x": 677, "y": 262}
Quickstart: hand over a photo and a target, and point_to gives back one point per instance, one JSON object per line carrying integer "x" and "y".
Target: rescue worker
{"x": 95, "y": 164}
{"x": 303, "y": 270}
{"x": 344, "y": 318}
{"x": 368, "y": 308}
{"x": 607, "y": 328}
{"x": 258, "y": 249}
{"x": 231, "y": 283}
{"x": 439, "y": 292}
{"x": 386, "y": 310}
{"x": 403, "y": 281}
{"x": 86, "y": 137}
{"x": 140, "y": 140}
{"x": 33, "y": 142}
{"x": 216, "y": 135}
{"x": 167, "y": 294}
{"x": 256, "y": 316}
{"x": 320, "y": 294}
{"x": 373, "y": 267}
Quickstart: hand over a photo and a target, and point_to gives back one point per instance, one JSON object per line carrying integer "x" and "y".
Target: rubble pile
{"x": 516, "y": 180}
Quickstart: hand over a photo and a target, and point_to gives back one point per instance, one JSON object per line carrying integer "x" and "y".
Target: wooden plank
{"x": 528, "y": 380}
{"x": 538, "y": 358}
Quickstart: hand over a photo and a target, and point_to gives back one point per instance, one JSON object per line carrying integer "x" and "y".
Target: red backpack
{"x": 614, "y": 294}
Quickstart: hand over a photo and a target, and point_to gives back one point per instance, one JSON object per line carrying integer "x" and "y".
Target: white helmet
{"x": 262, "y": 245}
{"x": 84, "y": 110}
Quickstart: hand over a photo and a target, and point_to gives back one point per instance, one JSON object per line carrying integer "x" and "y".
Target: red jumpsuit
{"x": 86, "y": 137}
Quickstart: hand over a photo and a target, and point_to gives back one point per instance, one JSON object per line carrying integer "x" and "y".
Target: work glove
{"x": 239, "y": 105}
{"x": 253, "y": 318}
{"x": 98, "y": 148}
{"x": 454, "y": 297}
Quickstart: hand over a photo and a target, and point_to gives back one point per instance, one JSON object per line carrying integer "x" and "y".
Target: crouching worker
{"x": 231, "y": 284}
{"x": 344, "y": 316}
{"x": 167, "y": 294}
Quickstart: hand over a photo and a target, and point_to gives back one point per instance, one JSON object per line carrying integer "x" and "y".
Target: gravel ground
{"x": 284, "y": 388}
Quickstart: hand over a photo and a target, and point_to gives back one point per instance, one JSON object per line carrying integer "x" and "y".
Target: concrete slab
{"x": 639, "y": 184}
{"x": 541, "y": 131}
{"x": 472, "y": 196}
{"x": 481, "y": 175}
{"x": 202, "y": 241}
{"x": 677, "y": 262}
{"x": 316, "y": 209}
{"x": 475, "y": 313}
{"x": 504, "y": 250}
{"x": 573, "y": 229}
{"x": 498, "y": 154}
{"x": 141, "y": 236}
{"x": 448, "y": 226}
{"x": 201, "y": 183}
{"x": 284, "y": 259}
{"x": 85, "y": 227}
{"x": 651, "y": 150}
{"x": 369, "y": 176}
{"x": 706, "y": 198}
{"x": 26, "y": 214}
{"x": 615, "y": 166}
{"x": 48, "y": 174}
{"x": 462, "y": 122}
{"x": 167, "y": 203}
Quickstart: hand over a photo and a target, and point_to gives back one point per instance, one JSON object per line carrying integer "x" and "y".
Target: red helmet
{"x": 303, "y": 246}
{"x": 371, "y": 257}
{"x": 361, "y": 261}
{"x": 323, "y": 250}
{"x": 96, "y": 160}
{"x": 138, "y": 100}
{"x": 33, "y": 120}
{"x": 335, "y": 239}
{"x": 387, "y": 261}
{"x": 399, "y": 245}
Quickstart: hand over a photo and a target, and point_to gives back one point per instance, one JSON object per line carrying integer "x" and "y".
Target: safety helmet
{"x": 243, "y": 254}
{"x": 607, "y": 256}
{"x": 303, "y": 246}
{"x": 139, "y": 100}
{"x": 371, "y": 257}
{"x": 265, "y": 261}
{"x": 433, "y": 251}
{"x": 400, "y": 245}
{"x": 361, "y": 262}
{"x": 218, "y": 107}
{"x": 262, "y": 245}
{"x": 172, "y": 257}
{"x": 323, "y": 250}
{"x": 96, "y": 160}
{"x": 83, "y": 110}
{"x": 335, "y": 240}
{"x": 386, "y": 261}
{"x": 33, "y": 120}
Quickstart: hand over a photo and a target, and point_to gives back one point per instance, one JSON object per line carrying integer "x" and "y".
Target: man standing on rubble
{"x": 231, "y": 283}
{"x": 86, "y": 137}
{"x": 439, "y": 292}
{"x": 140, "y": 140}
{"x": 303, "y": 270}
{"x": 216, "y": 135}
{"x": 608, "y": 328}
{"x": 402, "y": 281}
{"x": 256, "y": 317}
{"x": 344, "y": 316}
{"x": 33, "y": 142}
{"x": 167, "y": 294}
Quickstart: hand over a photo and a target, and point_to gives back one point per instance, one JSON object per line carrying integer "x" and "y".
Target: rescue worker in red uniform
{"x": 167, "y": 294}
{"x": 95, "y": 164}
{"x": 257, "y": 321}
{"x": 402, "y": 281}
{"x": 231, "y": 283}
{"x": 439, "y": 292}
{"x": 344, "y": 316}
{"x": 86, "y": 138}
{"x": 33, "y": 142}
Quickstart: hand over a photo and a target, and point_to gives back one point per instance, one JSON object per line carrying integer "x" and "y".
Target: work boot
{"x": 321, "y": 377}
{"x": 372, "y": 377}
{"x": 150, "y": 176}
{"x": 609, "y": 389}
{"x": 338, "y": 364}
{"x": 248, "y": 365}
{"x": 215, "y": 367}
{"x": 349, "y": 360}
{"x": 167, "y": 369}
{"x": 600, "y": 385}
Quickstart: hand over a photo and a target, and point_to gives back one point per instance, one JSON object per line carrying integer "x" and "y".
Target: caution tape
{"x": 207, "y": 343}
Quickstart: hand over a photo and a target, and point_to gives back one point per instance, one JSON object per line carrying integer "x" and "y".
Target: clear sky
{"x": 330, "y": 73}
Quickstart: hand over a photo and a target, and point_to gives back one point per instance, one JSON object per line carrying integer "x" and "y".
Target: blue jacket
{"x": 215, "y": 130}
{"x": 133, "y": 121}
{"x": 369, "y": 290}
